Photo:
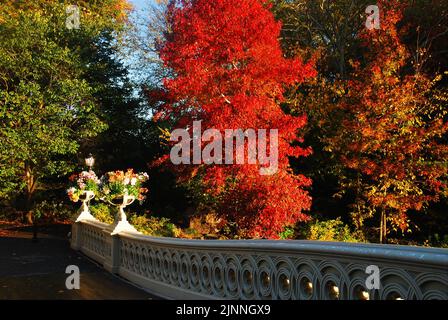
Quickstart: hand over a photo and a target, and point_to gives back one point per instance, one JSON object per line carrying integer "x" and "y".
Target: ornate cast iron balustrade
{"x": 240, "y": 269}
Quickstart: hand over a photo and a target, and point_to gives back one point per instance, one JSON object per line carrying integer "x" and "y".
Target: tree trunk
{"x": 342, "y": 61}
{"x": 383, "y": 227}
{"x": 30, "y": 188}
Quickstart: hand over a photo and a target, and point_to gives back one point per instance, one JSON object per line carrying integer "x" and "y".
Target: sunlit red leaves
{"x": 230, "y": 73}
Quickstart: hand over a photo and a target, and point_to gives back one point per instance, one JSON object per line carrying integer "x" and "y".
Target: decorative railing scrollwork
{"x": 94, "y": 240}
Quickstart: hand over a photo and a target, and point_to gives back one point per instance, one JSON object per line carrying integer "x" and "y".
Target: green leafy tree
{"x": 123, "y": 144}
{"x": 47, "y": 104}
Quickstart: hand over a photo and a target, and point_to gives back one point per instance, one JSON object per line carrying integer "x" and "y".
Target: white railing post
{"x": 112, "y": 261}
{"x": 76, "y": 238}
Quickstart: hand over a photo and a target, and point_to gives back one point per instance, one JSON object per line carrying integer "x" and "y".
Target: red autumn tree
{"x": 392, "y": 137}
{"x": 229, "y": 72}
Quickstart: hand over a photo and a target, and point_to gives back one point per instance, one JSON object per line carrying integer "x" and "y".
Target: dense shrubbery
{"x": 438, "y": 241}
{"x": 148, "y": 225}
{"x": 53, "y": 211}
{"x": 322, "y": 230}
{"x": 103, "y": 212}
{"x": 329, "y": 230}
{"x": 209, "y": 226}
{"x": 154, "y": 226}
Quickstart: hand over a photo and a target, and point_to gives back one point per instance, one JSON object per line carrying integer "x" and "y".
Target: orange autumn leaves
{"x": 392, "y": 135}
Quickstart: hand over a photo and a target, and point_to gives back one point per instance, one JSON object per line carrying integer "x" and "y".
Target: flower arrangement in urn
{"x": 85, "y": 188}
{"x": 117, "y": 184}
{"x": 117, "y": 188}
{"x": 84, "y": 185}
{"x": 121, "y": 189}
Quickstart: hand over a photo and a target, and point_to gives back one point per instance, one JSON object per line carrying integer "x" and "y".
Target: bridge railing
{"x": 263, "y": 269}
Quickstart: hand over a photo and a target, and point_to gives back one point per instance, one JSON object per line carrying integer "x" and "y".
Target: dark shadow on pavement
{"x": 31, "y": 270}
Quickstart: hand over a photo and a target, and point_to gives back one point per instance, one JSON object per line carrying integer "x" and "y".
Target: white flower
{"x": 133, "y": 181}
{"x": 143, "y": 176}
{"x": 126, "y": 181}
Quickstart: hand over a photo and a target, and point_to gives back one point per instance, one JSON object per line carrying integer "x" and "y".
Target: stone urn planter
{"x": 84, "y": 211}
{"x": 121, "y": 223}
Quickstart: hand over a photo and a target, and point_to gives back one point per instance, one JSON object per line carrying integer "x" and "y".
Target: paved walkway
{"x": 37, "y": 270}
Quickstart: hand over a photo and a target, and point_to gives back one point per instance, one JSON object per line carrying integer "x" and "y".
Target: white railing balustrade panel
{"x": 94, "y": 242}
{"x": 258, "y": 270}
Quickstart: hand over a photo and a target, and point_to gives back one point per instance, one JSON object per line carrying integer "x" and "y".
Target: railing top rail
{"x": 95, "y": 223}
{"x": 433, "y": 256}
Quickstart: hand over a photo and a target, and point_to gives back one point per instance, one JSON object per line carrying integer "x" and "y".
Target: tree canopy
{"x": 47, "y": 103}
